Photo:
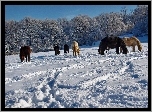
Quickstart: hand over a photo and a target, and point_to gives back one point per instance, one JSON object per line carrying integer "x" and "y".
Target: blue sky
{"x": 18, "y": 12}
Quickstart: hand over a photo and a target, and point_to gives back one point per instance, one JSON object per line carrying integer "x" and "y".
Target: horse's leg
{"x": 102, "y": 50}
{"x": 120, "y": 50}
{"x": 133, "y": 48}
{"x": 28, "y": 57}
{"x": 64, "y": 51}
{"x": 73, "y": 52}
{"x": 22, "y": 58}
{"x": 78, "y": 51}
{"x": 117, "y": 49}
{"x": 57, "y": 52}
{"x": 99, "y": 51}
{"x": 139, "y": 47}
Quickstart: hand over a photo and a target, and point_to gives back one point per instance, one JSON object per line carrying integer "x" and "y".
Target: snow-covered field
{"x": 89, "y": 80}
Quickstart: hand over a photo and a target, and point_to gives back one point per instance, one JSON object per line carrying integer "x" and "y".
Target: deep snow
{"x": 86, "y": 81}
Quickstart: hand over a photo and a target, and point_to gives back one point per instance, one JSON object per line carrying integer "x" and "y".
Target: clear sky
{"x": 18, "y": 12}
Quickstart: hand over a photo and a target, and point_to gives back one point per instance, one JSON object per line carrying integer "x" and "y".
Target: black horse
{"x": 56, "y": 49}
{"x": 66, "y": 48}
{"x": 25, "y": 53}
{"x": 112, "y": 42}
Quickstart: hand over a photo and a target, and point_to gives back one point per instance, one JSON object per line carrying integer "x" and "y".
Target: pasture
{"x": 89, "y": 80}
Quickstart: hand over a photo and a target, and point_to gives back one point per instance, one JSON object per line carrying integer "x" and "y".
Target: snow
{"x": 89, "y": 80}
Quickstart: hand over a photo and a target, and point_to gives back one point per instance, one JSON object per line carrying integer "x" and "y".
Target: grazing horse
{"x": 56, "y": 49}
{"x": 75, "y": 48}
{"x": 66, "y": 48}
{"x": 132, "y": 41}
{"x": 25, "y": 52}
{"x": 112, "y": 42}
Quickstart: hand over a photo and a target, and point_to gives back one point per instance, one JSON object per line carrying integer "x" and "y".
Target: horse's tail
{"x": 138, "y": 43}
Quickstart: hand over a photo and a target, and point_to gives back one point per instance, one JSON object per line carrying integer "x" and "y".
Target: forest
{"x": 41, "y": 35}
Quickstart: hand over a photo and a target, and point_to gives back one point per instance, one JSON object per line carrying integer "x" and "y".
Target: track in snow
{"x": 89, "y": 80}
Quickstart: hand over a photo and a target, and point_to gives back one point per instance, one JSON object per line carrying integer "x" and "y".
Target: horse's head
{"x": 58, "y": 52}
{"x": 125, "y": 50}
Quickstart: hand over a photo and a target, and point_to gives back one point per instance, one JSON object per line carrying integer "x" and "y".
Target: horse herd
{"x": 109, "y": 42}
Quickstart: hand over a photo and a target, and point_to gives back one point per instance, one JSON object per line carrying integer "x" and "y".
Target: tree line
{"x": 41, "y": 35}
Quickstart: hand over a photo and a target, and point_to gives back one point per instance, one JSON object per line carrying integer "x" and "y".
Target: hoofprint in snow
{"x": 89, "y": 80}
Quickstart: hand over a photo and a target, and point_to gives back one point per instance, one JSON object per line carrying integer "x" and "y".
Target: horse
{"x": 112, "y": 42}
{"x": 66, "y": 48}
{"x": 56, "y": 49}
{"x": 25, "y": 52}
{"x": 132, "y": 41}
{"x": 75, "y": 48}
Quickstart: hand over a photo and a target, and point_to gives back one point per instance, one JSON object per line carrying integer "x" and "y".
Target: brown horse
{"x": 132, "y": 41}
{"x": 75, "y": 48}
{"x": 25, "y": 53}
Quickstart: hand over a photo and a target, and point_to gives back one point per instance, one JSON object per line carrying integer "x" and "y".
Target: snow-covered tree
{"x": 41, "y": 35}
{"x": 140, "y": 20}
{"x": 65, "y": 26}
{"x": 110, "y": 24}
{"x": 11, "y": 40}
{"x": 80, "y": 29}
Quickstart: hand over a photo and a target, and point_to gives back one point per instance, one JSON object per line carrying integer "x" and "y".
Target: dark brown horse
{"x": 66, "y": 48}
{"x": 112, "y": 42}
{"x": 25, "y": 53}
{"x": 56, "y": 49}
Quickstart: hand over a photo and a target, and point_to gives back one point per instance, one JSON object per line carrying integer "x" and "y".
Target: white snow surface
{"x": 89, "y": 80}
